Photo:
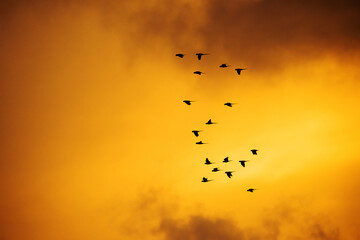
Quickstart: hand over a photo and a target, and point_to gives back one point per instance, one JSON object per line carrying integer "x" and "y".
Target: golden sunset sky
{"x": 96, "y": 142}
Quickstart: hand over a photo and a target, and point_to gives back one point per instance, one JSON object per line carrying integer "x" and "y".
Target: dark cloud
{"x": 273, "y": 227}
{"x": 200, "y": 227}
{"x": 260, "y": 33}
{"x": 317, "y": 231}
{"x": 155, "y": 213}
{"x": 267, "y": 31}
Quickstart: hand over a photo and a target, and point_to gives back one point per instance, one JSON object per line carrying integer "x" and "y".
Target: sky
{"x": 96, "y": 142}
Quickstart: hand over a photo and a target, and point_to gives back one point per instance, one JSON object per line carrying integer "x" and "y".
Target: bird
{"x": 199, "y": 55}
{"x": 238, "y": 70}
{"x": 198, "y": 72}
{"x": 210, "y": 122}
{"x": 226, "y": 160}
{"x": 229, "y": 104}
{"x": 254, "y": 151}
{"x": 205, "y": 180}
{"x": 229, "y": 174}
{"x": 188, "y": 102}
{"x": 200, "y": 142}
{"x": 196, "y": 132}
{"x": 224, "y": 65}
{"x": 215, "y": 169}
{"x": 251, "y": 190}
{"x": 180, "y": 55}
{"x": 242, "y": 162}
{"x": 207, "y": 162}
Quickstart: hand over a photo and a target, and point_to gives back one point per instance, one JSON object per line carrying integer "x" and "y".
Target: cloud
{"x": 273, "y": 227}
{"x": 161, "y": 215}
{"x": 262, "y": 34}
{"x": 259, "y": 33}
{"x": 200, "y": 227}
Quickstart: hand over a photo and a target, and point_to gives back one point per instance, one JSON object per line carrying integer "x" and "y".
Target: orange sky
{"x": 96, "y": 142}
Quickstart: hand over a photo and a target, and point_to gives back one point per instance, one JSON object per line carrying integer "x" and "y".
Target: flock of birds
{"x": 229, "y": 174}
{"x": 199, "y": 56}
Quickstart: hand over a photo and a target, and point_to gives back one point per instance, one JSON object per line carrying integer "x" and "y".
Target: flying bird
{"x": 196, "y": 132}
{"x": 210, "y": 122}
{"x": 254, "y": 151}
{"x": 207, "y": 162}
{"x": 199, "y": 55}
{"x": 188, "y": 102}
{"x": 215, "y": 169}
{"x": 242, "y": 162}
{"x": 198, "y": 72}
{"x": 205, "y": 180}
{"x": 200, "y": 142}
{"x": 224, "y": 65}
{"x": 238, "y": 70}
{"x": 251, "y": 190}
{"x": 229, "y": 104}
{"x": 180, "y": 55}
{"x": 229, "y": 174}
{"x": 226, "y": 160}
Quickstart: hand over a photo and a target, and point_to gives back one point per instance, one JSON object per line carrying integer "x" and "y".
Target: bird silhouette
{"x": 198, "y": 72}
{"x": 205, "y": 180}
{"x": 254, "y": 151}
{"x": 224, "y": 65}
{"x": 215, "y": 169}
{"x": 226, "y": 160}
{"x": 199, "y": 55}
{"x": 229, "y": 174}
{"x": 210, "y": 122}
{"x": 243, "y": 162}
{"x": 229, "y": 104}
{"x": 180, "y": 55}
{"x": 238, "y": 70}
{"x": 207, "y": 161}
{"x": 196, "y": 132}
{"x": 200, "y": 142}
{"x": 188, "y": 102}
{"x": 251, "y": 190}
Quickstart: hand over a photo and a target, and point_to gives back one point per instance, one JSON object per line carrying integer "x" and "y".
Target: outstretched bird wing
{"x": 238, "y": 70}
{"x": 209, "y": 122}
{"x": 229, "y": 104}
{"x": 199, "y": 55}
{"x": 196, "y": 133}
{"x": 254, "y": 151}
{"x": 228, "y": 174}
